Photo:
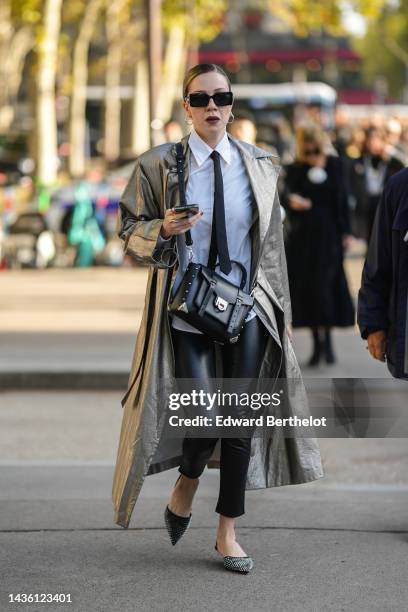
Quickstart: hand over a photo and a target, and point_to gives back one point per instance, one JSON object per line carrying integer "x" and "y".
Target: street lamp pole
{"x": 154, "y": 53}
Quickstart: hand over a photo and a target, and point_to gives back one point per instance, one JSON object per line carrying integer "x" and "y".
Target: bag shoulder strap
{"x": 180, "y": 173}
{"x": 182, "y": 189}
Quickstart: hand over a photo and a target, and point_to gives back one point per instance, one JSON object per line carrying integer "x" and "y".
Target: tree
{"x": 47, "y": 156}
{"x": 307, "y": 15}
{"x": 17, "y": 37}
{"x": 114, "y": 20}
{"x": 385, "y": 49}
{"x": 186, "y": 25}
{"x": 43, "y": 25}
{"x": 77, "y": 127}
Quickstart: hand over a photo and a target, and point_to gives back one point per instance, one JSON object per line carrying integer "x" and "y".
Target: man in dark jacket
{"x": 382, "y": 313}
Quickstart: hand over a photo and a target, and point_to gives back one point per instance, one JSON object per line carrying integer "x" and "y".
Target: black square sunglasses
{"x": 309, "y": 152}
{"x": 221, "y": 98}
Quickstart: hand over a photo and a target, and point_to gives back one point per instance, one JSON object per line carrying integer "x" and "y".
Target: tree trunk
{"x": 6, "y": 33}
{"x": 112, "y": 81}
{"x": 20, "y": 46}
{"x": 77, "y": 127}
{"x": 171, "y": 82}
{"x": 47, "y": 160}
{"x": 14, "y": 47}
{"x": 140, "y": 110}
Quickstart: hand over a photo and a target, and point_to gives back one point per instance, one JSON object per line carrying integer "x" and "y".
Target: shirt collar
{"x": 202, "y": 151}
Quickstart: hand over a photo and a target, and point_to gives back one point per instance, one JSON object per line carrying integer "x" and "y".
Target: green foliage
{"x": 371, "y": 9}
{"x": 25, "y": 12}
{"x": 73, "y": 11}
{"x": 201, "y": 19}
{"x": 304, "y": 16}
{"x": 380, "y": 57}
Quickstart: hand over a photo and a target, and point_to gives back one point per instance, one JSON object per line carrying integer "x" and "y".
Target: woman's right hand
{"x": 178, "y": 223}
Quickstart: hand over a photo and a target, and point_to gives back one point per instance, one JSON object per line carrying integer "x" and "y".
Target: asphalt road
{"x": 339, "y": 544}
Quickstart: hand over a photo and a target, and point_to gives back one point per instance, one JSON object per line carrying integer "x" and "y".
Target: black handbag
{"x": 205, "y": 299}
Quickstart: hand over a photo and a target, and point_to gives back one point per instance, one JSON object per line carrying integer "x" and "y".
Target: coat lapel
{"x": 263, "y": 178}
{"x": 261, "y": 173}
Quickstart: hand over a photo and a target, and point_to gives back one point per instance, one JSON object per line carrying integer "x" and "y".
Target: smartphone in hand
{"x": 190, "y": 209}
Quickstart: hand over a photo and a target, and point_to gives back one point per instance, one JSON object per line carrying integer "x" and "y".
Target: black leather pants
{"x": 195, "y": 358}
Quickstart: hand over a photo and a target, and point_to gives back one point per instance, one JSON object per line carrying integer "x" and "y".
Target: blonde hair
{"x": 202, "y": 69}
{"x": 306, "y": 135}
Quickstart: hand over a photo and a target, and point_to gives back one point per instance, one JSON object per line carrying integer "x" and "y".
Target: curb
{"x": 22, "y": 381}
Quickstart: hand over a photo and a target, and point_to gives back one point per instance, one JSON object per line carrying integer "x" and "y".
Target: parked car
{"x": 15, "y": 161}
{"x": 28, "y": 242}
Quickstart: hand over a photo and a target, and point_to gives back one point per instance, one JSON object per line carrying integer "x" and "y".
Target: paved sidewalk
{"x": 339, "y": 544}
{"x": 77, "y": 329}
{"x": 69, "y": 328}
{"x": 336, "y": 544}
{"x": 316, "y": 548}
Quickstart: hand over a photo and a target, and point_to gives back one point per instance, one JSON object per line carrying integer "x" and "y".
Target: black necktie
{"x": 219, "y": 244}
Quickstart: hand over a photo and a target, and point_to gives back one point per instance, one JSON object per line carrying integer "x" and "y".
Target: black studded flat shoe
{"x": 176, "y": 525}
{"x": 237, "y": 564}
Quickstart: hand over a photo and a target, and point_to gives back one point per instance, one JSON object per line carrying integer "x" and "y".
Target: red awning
{"x": 356, "y": 96}
{"x": 282, "y": 55}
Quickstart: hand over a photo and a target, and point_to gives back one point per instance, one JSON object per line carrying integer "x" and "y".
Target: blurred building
{"x": 256, "y": 47}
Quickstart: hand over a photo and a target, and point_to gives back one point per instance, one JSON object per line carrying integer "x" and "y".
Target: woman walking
{"x": 236, "y": 219}
{"x": 319, "y": 230}
{"x": 368, "y": 174}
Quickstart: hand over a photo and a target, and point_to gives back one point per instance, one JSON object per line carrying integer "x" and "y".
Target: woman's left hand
{"x": 297, "y": 202}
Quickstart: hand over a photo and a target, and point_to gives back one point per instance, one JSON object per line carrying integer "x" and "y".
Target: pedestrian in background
{"x": 382, "y": 313}
{"x": 172, "y": 131}
{"x": 243, "y": 127}
{"x": 84, "y": 230}
{"x": 369, "y": 174}
{"x": 319, "y": 231}
{"x": 394, "y": 146}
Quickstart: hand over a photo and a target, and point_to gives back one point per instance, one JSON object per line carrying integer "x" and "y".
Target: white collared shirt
{"x": 240, "y": 211}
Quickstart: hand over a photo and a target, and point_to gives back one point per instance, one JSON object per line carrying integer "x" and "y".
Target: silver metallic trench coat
{"x": 275, "y": 459}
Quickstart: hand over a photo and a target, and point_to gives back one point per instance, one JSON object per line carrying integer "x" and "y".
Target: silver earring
{"x": 188, "y": 120}
{"x": 231, "y": 119}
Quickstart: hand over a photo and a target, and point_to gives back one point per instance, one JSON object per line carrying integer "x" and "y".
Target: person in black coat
{"x": 382, "y": 312}
{"x": 319, "y": 229}
{"x": 367, "y": 176}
